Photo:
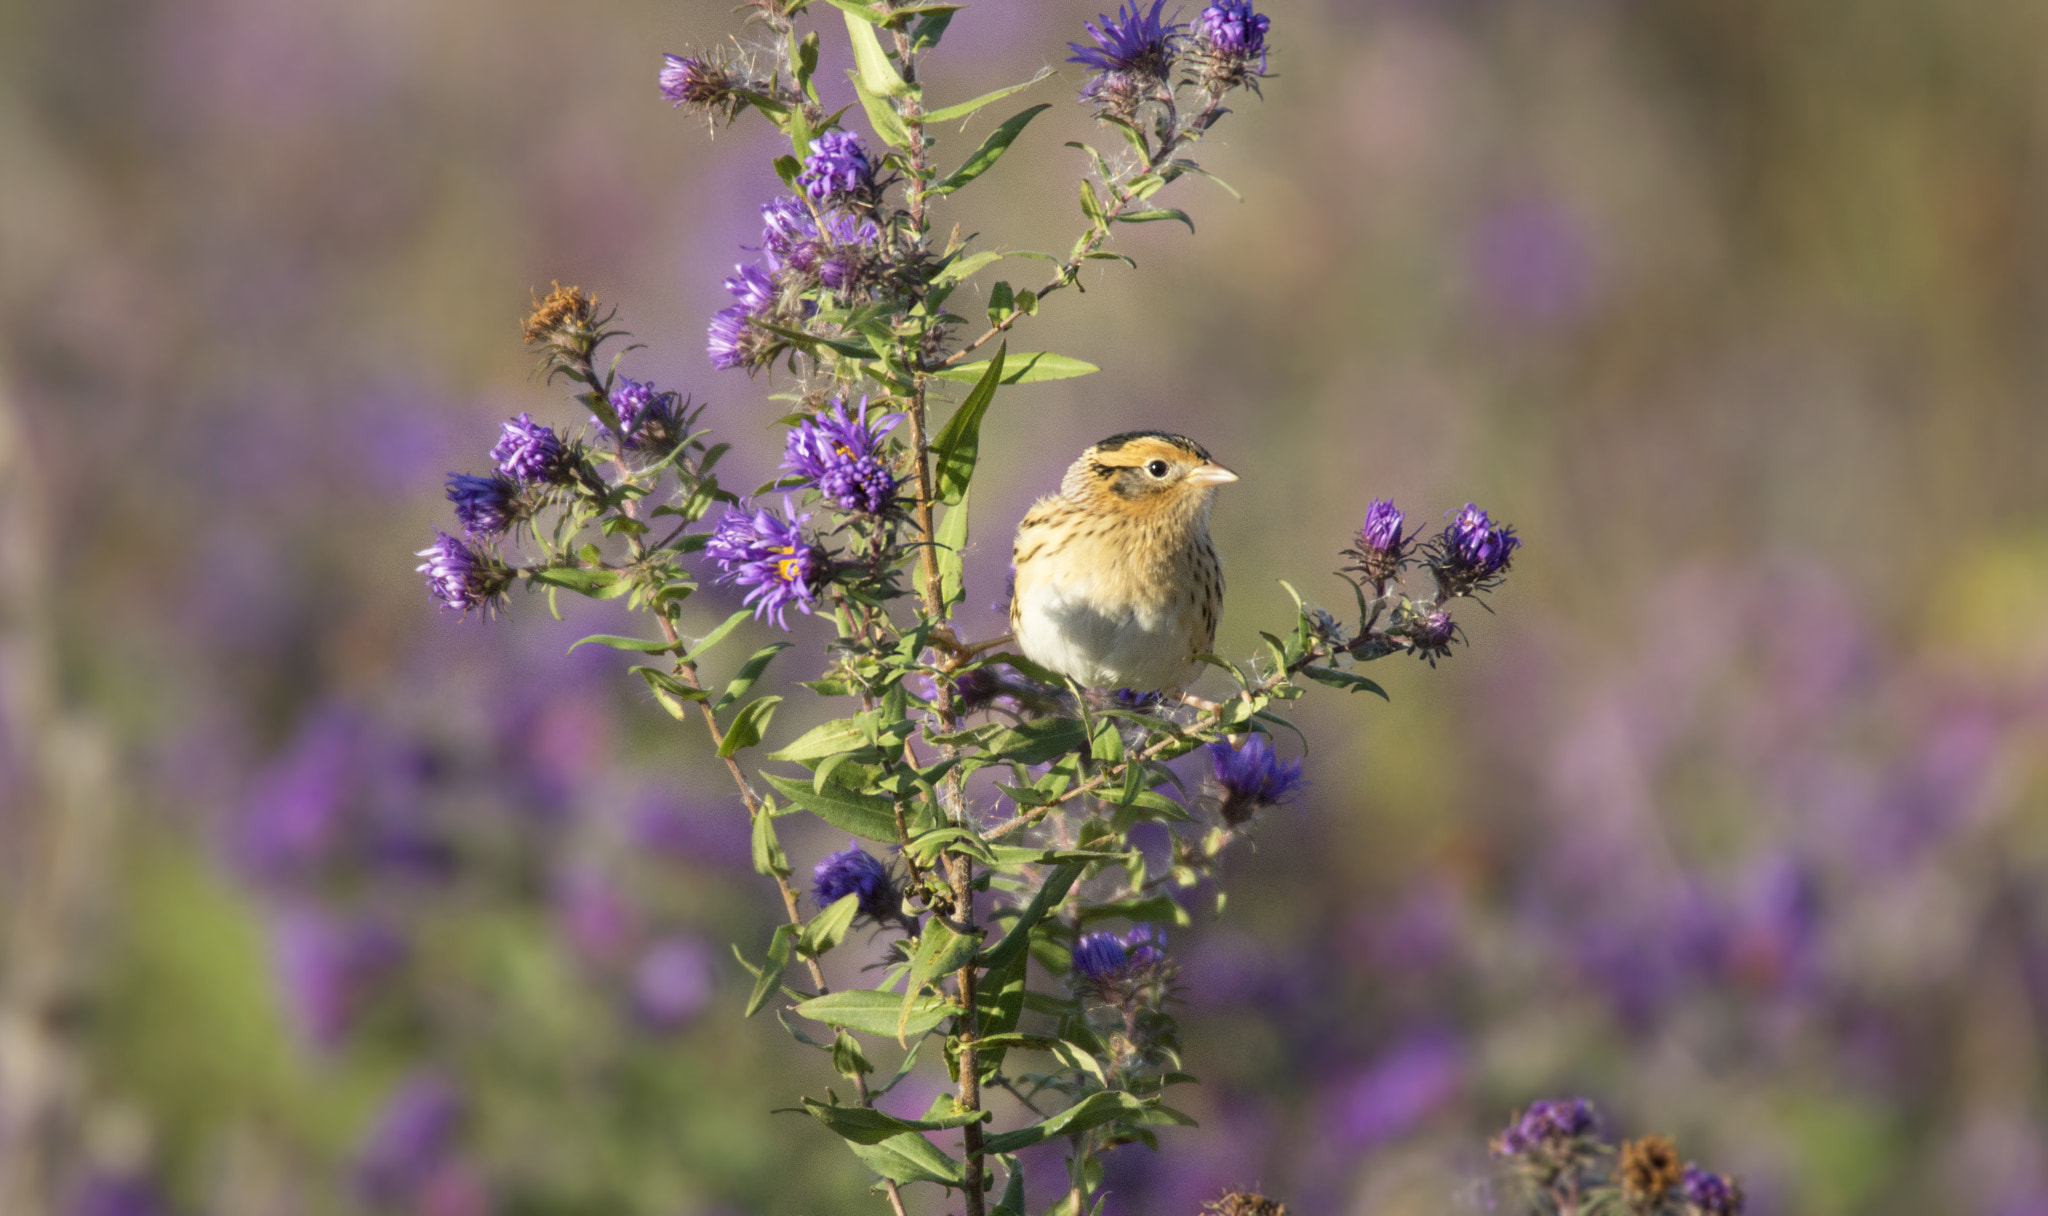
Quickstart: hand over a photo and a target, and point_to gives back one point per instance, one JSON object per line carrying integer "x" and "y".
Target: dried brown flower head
{"x": 1244, "y": 1203}
{"x": 564, "y": 307}
{"x": 1649, "y": 1169}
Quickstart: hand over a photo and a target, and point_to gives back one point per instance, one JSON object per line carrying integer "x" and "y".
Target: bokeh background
{"x": 1734, "y": 818}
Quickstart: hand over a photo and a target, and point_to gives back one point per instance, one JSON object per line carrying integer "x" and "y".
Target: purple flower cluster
{"x": 328, "y": 968}
{"x": 838, "y": 170}
{"x": 1710, "y": 1194}
{"x": 1472, "y": 553}
{"x": 671, "y": 983}
{"x": 530, "y": 452}
{"x": 735, "y": 341}
{"x": 485, "y": 506}
{"x": 1383, "y": 544}
{"x": 648, "y": 417}
{"x": 1102, "y": 958}
{"x": 1231, "y": 28}
{"x": 464, "y": 577}
{"x": 840, "y": 454}
{"x": 413, "y": 1139}
{"x": 770, "y": 555}
{"x": 1547, "y": 1127}
{"x": 855, "y": 871}
{"x": 1250, "y": 778}
{"x": 1132, "y": 58}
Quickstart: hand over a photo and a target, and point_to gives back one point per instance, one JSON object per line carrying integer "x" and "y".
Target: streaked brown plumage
{"x": 1118, "y": 585}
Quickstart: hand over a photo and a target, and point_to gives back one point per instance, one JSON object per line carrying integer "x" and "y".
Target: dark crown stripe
{"x": 1115, "y": 442}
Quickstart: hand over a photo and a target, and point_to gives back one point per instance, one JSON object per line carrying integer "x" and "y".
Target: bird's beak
{"x": 1209, "y": 473}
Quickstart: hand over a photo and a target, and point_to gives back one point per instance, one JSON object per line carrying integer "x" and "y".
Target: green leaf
{"x": 1012, "y": 1202}
{"x": 1157, "y": 213}
{"x": 874, "y": 1012}
{"x": 889, "y": 127}
{"x": 716, "y": 636}
{"x": 1091, "y": 205}
{"x": 768, "y": 855}
{"x": 874, "y": 71}
{"x": 750, "y": 671}
{"x": 1146, "y": 908}
{"x": 864, "y": 815}
{"x": 864, "y": 1125}
{"x": 673, "y": 694}
{"x": 909, "y": 1158}
{"x": 952, "y": 543}
{"x": 1092, "y": 1111}
{"x": 848, "y": 1060}
{"x": 597, "y": 584}
{"x": 825, "y": 739}
{"x": 772, "y": 968}
{"x": 966, "y": 265}
{"x": 1036, "y": 741}
{"x": 1025, "y": 368}
{"x": 748, "y": 725}
{"x": 990, "y": 151}
{"x": 1002, "y": 301}
{"x": 1012, "y": 946}
{"x": 959, "y": 444}
{"x": 860, "y": 8}
{"x": 1345, "y": 679}
{"x": 965, "y": 108}
{"x": 828, "y": 928}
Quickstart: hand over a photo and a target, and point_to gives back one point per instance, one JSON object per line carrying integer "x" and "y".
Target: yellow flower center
{"x": 786, "y": 569}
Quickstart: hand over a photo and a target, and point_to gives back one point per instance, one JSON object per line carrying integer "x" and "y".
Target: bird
{"x": 1117, "y": 583}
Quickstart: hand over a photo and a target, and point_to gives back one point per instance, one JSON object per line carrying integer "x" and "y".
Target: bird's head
{"x": 1148, "y": 474}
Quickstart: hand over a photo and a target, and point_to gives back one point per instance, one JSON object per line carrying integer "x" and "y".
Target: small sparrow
{"x": 1117, "y": 583}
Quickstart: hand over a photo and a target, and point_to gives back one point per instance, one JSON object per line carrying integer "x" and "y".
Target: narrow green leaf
{"x": 1147, "y": 908}
{"x": 860, "y": 8}
{"x": 825, "y": 739}
{"x": 1091, "y": 205}
{"x": 990, "y": 151}
{"x": 1092, "y": 1111}
{"x": 748, "y": 725}
{"x": 958, "y": 445}
{"x": 848, "y": 1060}
{"x": 864, "y": 1125}
{"x": 1036, "y": 741}
{"x": 864, "y": 815}
{"x": 768, "y": 855}
{"x": 593, "y": 583}
{"x": 674, "y": 695}
{"x": 965, "y": 108}
{"x": 717, "y": 635}
{"x": 874, "y": 1012}
{"x": 876, "y": 74}
{"x": 751, "y": 671}
{"x": 828, "y": 928}
{"x": 1057, "y": 884}
{"x": 888, "y": 126}
{"x": 952, "y": 542}
{"x": 1345, "y": 680}
{"x": 1012, "y": 1202}
{"x": 1024, "y": 368}
{"x": 772, "y": 968}
{"x": 1157, "y": 213}
{"x": 1002, "y": 301}
{"x": 966, "y": 265}
{"x": 909, "y": 1158}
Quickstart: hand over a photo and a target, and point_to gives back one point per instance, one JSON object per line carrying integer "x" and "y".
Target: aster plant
{"x": 1560, "y": 1164}
{"x": 1014, "y": 930}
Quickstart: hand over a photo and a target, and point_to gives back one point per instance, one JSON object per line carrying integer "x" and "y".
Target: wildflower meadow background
{"x": 1735, "y": 822}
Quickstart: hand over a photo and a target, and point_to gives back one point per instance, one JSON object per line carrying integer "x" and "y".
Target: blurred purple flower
{"x": 327, "y": 967}
{"x": 672, "y": 982}
{"x": 770, "y": 555}
{"x": 841, "y": 454}
{"x": 1251, "y": 778}
{"x": 117, "y": 1194}
{"x": 1547, "y": 1125}
{"x": 838, "y": 167}
{"x": 1102, "y": 958}
{"x": 1407, "y": 1084}
{"x": 734, "y": 340}
{"x": 1710, "y": 1194}
{"x": 855, "y": 871}
{"x": 594, "y": 917}
{"x": 530, "y": 452}
{"x": 485, "y": 505}
{"x": 751, "y": 286}
{"x": 1532, "y": 263}
{"x": 413, "y": 1138}
{"x": 1099, "y": 955}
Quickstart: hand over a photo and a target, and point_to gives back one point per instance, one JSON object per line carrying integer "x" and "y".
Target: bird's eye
{"x": 1157, "y": 468}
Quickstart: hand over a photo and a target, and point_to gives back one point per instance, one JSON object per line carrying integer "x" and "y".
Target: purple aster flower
{"x": 1547, "y": 1126}
{"x": 327, "y": 969}
{"x": 1145, "y": 946}
{"x": 462, "y": 576}
{"x": 855, "y": 871}
{"x": 841, "y": 455}
{"x": 786, "y": 225}
{"x": 412, "y": 1139}
{"x": 1473, "y": 552}
{"x": 1709, "y": 1194}
{"x": 1133, "y": 41}
{"x": 485, "y": 505}
{"x": 1251, "y": 777}
{"x": 1383, "y": 546}
{"x": 1230, "y": 27}
{"x": 1100, "y": 955}
{"x": 647, "y": 416}
{"x": 672, "y": 983}
{"x": 732, "y": 341}
{"x": 1429, "y": 633}
{"x": 838, "y": 168}
{"x": 771, "y": 555}
{"x": 701, "y": 84}
{"x": 752, "y": 287}
{"x": 530, "y": 451}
